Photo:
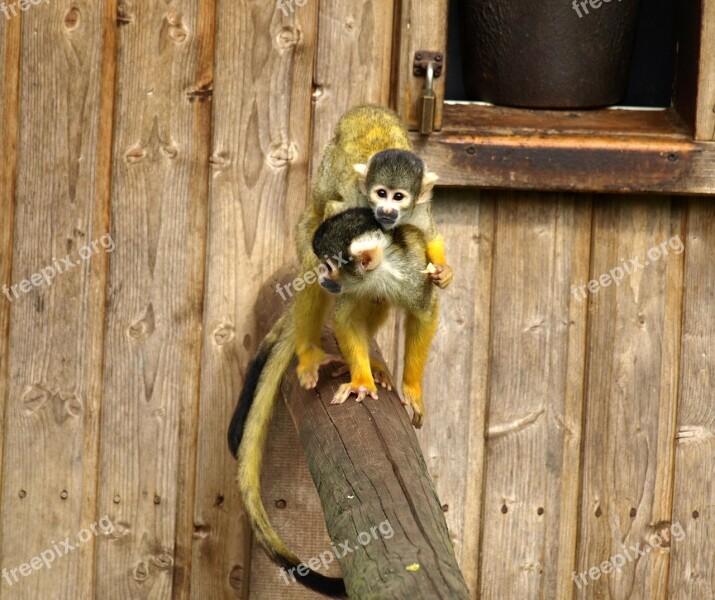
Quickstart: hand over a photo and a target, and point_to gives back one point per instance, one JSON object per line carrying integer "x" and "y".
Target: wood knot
{"x": 220, "y": 160}
{"x": 124, "y": 14}
{"x": 135, "y": 155}
{"x": 34, "y": 398}
{"x": 163, "y": 560}
{"x": 121, "y": 529}
{"x": 72, "y": 18}
{"x": 281, "y": 155}
{"x": 201, "y": 531}
{"x": 66, "y": 406}
{"x": 235, "y": 578}
{"x": 141, "y": 571}
{"x": 178, "y": 32}
{"x": 145, "y": 326}
{"x": 169, "y": 151}
{"x": 224, "y": 334}
{"x": 288, "y": 37}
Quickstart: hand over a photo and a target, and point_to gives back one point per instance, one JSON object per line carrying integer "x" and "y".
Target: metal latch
{"x": 427, "y": 64}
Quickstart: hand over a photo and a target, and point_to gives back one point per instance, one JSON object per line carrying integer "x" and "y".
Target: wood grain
{"x": 55, "y": 359}
{"x": 534, "y": 411}
{"x": 355, "y": 38}
{"x": 422, "y": 26}
{"x": 631, "y": 388}
{"x": 10, "y": 61}
{"x": 692, "y": 574}
{"x": 705, "y": 111}
{"x": 154, "y": 299}
{"x": 544, "y": 150}
{"x": 376, "y": 493}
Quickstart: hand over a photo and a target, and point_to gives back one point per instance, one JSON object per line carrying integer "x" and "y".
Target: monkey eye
{"x": 399, "y": 196}
{"x": 382, "y": 193}
{"x": 328, "y": 266}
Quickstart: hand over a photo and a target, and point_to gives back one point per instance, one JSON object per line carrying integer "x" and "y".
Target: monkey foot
{"x": 380, "y": 374}
{"x": 442, "y": 276}
{"x": 413, "y": 397}
{"x": 308, "y": 374}
{"x": 346, "y": 389}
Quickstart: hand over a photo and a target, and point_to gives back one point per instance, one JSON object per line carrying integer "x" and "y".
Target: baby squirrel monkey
{"x": 384, "y": 268}
{"x": 381, "y": 268}
{"x": 368, "y": 163}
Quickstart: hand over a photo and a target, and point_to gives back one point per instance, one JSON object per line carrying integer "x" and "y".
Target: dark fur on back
{"x": 335, "y": 234}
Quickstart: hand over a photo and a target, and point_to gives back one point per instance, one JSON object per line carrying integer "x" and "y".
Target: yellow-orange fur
{"x": 361, "y": 133}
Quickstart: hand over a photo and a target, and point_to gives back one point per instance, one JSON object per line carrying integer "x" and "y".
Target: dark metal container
{"x": 547, "y": 53}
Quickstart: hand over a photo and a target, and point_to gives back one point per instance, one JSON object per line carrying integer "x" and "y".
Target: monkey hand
{"x": 361, "y": 391}
{"x": 310, "y": 362}
{"x": 441, "y": 276}
{"x": 413, "y": 397}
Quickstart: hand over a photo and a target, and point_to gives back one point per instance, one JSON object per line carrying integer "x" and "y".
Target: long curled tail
{"x": 246, "y": 440}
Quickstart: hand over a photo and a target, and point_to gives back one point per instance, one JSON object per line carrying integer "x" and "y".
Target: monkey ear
{"x": 361, "y": 171}
{"x": 369, "y": 259}
{"x": 428, "y": 181}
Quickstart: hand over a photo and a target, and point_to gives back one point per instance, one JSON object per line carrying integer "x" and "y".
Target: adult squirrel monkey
{"x": 382, "y": 268}
{"x": 368, "y": 163}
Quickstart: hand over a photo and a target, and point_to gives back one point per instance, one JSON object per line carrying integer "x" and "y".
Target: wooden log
{"x": 381, "y": 509}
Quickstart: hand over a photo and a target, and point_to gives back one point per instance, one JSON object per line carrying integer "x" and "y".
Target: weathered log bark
{"x": 378, "y": 499}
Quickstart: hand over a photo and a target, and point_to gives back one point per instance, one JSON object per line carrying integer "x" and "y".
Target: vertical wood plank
{"x": 705, "y": 110}
{"x": 629, "y": 433}
{"x": 534, "y": 414}
{"x": 55, "y": 358}
{"x": 154, "y": 304}
{"x": 692, "y": 574}
{"x": 352, "y": 66}
{"x": 9, "y": 79}
{"x": 423, "y": 26}
{"x": 260, "y": 156}
{"x": 456, "y": 378}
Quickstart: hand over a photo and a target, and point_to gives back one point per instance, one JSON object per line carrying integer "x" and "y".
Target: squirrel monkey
{"x": 368, "y": 163}
{"x": 384, "y": 268}
{"x": 381, "y": 268}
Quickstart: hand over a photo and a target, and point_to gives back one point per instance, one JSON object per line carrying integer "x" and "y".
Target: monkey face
{"x": 329, "y": 277}
{"x": 389, "y": 204}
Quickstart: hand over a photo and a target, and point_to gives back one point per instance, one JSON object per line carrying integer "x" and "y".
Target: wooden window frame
{"x": 608, "y": 150}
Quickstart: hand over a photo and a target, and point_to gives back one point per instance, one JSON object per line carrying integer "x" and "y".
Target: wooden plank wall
{"x": 560, "y": 431}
